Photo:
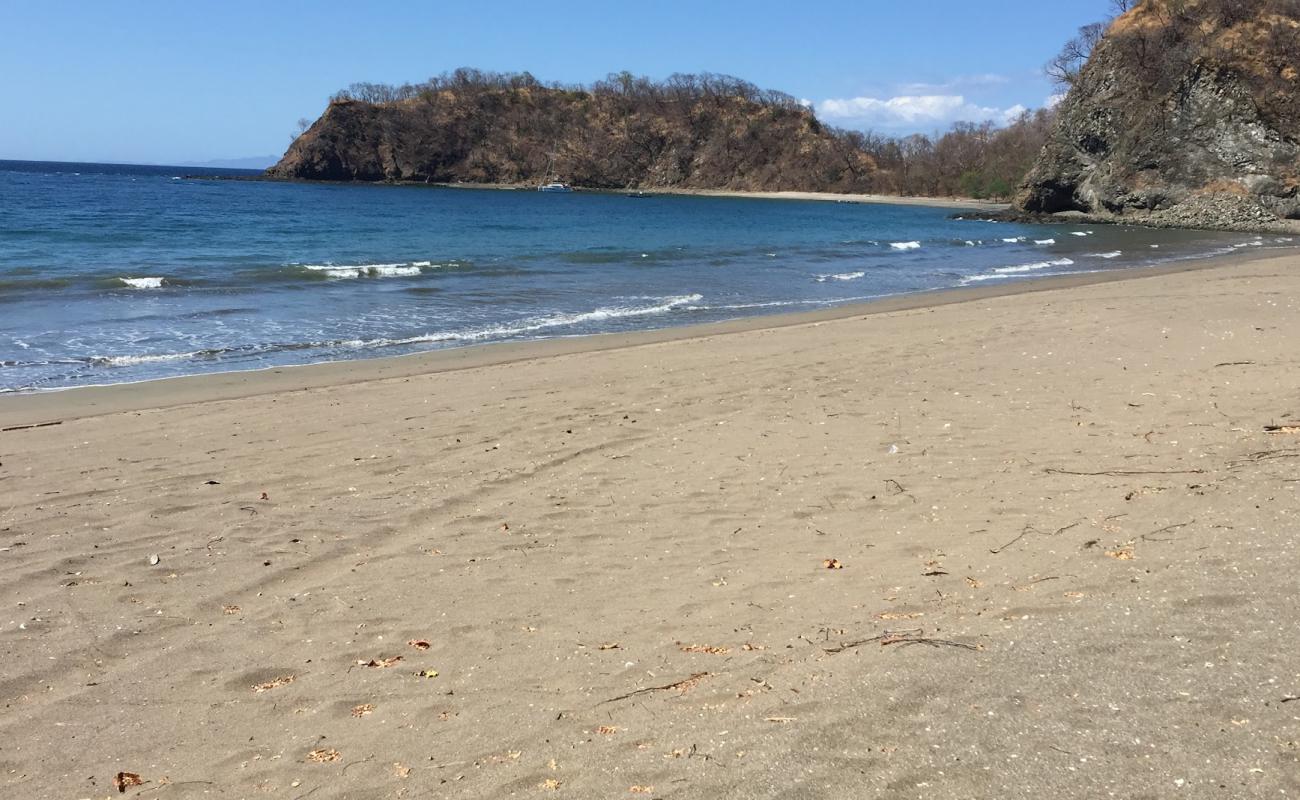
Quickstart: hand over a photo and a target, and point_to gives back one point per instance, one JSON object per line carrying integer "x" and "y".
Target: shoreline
{"x": 25, "y": 409}
{"x": 916, "y": 553}
{"x": 955, "y": 203}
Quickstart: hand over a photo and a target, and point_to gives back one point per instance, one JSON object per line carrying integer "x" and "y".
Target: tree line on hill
{"x": 686, "y": 130}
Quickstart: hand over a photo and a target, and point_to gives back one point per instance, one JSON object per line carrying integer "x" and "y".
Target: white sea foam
{"x": 344, "y": 271}
{"x": 905, "y": 245}
{"x": 1283, "y": 239}
{"x": 1111, "y": 254}
{"x": 840, "y": 276}
{"x": 969, "y": 243}
{"x": 1002, "y": 273}
{"x": 533, "y": 324}
{"x": 1044, "y": 241}
{"x": 143, "y": 283}
{"x": 1080, "y": 233}
{"x": 1037, "y": 265}
{"x": 1014, "y": 240}
{"x": 130, "y": 361}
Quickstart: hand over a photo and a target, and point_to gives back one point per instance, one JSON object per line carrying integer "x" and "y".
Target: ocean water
{"x": 112, "y": 274}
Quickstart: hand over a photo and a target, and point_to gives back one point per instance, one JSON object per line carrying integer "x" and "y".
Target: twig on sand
{"x": 29, "y": 427}
{"x": 1263, "y": 455}
{"x": 893, "y": 487}
{"x": 1146, "y": 537}
{"x": 1234, "y": 363}
{"x": 1057, "y": 471}
{"x": 915, "y": 636}
{"x": 684, "y": 684}
{"x": 1031, "y": 529}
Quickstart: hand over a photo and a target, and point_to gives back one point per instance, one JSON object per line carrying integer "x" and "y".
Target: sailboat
{"x": 553, "y": 186}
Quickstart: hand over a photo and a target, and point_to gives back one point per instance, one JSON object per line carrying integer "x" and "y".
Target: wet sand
{"x": 971, "y": 545}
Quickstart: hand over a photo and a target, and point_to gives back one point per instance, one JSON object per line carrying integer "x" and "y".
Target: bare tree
{"x": 1065, "y": 67}
{"x": 303, "y": 125}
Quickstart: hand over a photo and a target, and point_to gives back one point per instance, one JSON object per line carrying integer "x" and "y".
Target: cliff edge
{"x": 1186, "y": 114}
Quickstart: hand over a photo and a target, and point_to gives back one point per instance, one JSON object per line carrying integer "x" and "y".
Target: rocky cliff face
{"x": 691, "y": 138}
{"x": 1187, "y": 113}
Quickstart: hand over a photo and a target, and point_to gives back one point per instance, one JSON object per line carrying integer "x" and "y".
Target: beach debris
{"x": 153, "y": 560}
{"x": 419, "y": 644}
{"x": 1282, "y": 429}
{"x": 974, "y": 584}
{"x": 427, "y": 673}
{"x": 363, "y": 709}
{"x": 1147, "y": 537}
{"x": 264, "y": 496}
{"x": 682, "y": 687}
{"x": 1123, "y": 553}
{"x": 124, "y": 780}
{"x": 610, "y": 646}
{"x": 635, "y": 789}
{"x": 231, "y": 610}
{"x": 933, "y": 568}
{"x": 832, "y": 563}
{"x": 1122, "y": 472}
{"x": 324, "y": 755}
{"x": 607, "y": 730}
{"x": 212, "y": 483}
{"x": 550, "y": 784}
{"x": 893, "y": 450}
{"x": 380, "y": 663}
{"x": 276, "y": 683}
{"x": 779, "y": 719}
{"x": 914, "y": 636}
{"x": 703, "y": 648}
{"x": 1028, "y": 529}
{"x": 750, "y": 646}
{"x": 401, "y": 770}
{"x": 884, "y": 615}
{"x": 30, "y": 427}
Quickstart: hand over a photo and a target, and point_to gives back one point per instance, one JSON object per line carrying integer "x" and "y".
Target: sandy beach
{"x": 994, "y": 543}
{"x": 956, "y": 203}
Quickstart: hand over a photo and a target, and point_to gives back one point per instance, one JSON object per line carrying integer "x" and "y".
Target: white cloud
{"x": 913, "y": 109}
{"x": 954, "y": 84}
{"x": 1054, "y": 100}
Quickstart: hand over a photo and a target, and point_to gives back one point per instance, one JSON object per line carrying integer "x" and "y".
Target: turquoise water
{"x": 112, "y": 273}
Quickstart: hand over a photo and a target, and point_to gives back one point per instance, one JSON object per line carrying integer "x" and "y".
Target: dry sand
{"x": 969, "y": 203}
{"x": 1068, "y": 552}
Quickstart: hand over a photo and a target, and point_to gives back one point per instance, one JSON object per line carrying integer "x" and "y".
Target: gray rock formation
{"x": 1186, "y": 114}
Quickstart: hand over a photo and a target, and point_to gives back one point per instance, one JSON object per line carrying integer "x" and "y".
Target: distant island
{"x": 1181, "y": 113}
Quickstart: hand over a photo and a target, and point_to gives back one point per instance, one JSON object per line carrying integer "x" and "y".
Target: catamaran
{"x": 555, "y": 186}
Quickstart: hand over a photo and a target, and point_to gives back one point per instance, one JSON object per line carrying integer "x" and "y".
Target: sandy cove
{"x": 1067, "y": 552}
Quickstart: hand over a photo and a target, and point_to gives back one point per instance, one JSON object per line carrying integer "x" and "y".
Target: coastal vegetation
{"x": 688, "y": 131}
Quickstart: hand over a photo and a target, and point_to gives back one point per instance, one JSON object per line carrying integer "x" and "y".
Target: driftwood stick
{"x": 1031, "y": 529}
{"x": 914, "y": 636}
{"x": 1147, "y": 536}
{"x": 1121, "y": 472}
{"x": 683, "y": 683}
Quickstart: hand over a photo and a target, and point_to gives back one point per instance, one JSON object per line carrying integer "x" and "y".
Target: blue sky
{"x": 169, "y": 82}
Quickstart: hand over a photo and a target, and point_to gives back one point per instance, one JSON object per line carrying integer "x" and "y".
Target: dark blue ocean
{"x": 117, "y": 273}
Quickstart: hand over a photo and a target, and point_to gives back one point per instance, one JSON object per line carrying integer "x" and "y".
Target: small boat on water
{"x": 555, "y": 186}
